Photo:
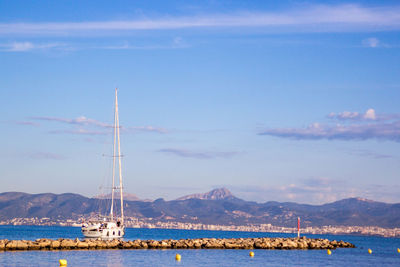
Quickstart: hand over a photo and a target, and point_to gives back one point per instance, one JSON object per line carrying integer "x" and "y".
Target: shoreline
{"x": 328, "y": 230}
{"x": 279, "y": 243}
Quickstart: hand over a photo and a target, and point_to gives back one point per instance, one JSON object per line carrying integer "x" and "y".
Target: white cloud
{"x": 27, "y": 46}
{"x": 349, "y": 115}
{"x": 311, "y": 18}
{"x": 370, "y": 114}
{"x": 361, "y": 127}
{"x": 371, "y": 42}
{"x": 23, "y": 46}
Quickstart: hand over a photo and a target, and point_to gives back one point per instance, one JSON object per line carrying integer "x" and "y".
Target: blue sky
{"x": 288, "y": 101}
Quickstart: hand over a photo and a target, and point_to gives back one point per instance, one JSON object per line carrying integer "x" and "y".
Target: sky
{"x": 275, "y": 100}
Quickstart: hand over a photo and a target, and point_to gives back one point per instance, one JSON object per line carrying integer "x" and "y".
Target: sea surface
{"x": 384, "y": 250}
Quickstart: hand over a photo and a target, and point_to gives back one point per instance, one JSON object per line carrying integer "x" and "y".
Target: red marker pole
{"x": 298, "y": 227}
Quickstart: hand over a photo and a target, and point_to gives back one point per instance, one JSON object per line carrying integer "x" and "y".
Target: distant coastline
{"x": 135, "y": 223}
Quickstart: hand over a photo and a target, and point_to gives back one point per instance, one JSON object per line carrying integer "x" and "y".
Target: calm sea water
{"x": 384, "y": 250}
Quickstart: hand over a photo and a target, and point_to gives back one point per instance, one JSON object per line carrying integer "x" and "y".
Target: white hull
{"x": 105, "y": 230}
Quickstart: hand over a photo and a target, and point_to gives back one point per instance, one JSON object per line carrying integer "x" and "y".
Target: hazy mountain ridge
{"x": 227, "y": 210}
{"x": 215, "y": 194}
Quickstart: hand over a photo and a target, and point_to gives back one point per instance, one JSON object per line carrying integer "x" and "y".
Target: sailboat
{"x": 111, "y": 226}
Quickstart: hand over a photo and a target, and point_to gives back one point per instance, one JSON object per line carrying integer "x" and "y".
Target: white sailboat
{"x": 111, "y": 227}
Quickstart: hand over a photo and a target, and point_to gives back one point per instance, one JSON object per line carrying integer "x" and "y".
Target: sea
{"x": 384, "y": 250}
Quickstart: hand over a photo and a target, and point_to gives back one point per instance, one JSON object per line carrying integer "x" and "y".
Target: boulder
{"x": 82, "y": 245}
{"x": 153, "y": 244}
{"x": 55, "y": 244}
{"x": 17, "y": 245}
{"x": 302, "y": 244}
{"x": 101, "y": 244}
{"x": 292, "y": 244}
{"x": 125, "y": 245}
{"x": 248, "y": 243}
{"x": 22, "y": 245}
{"x": 135, "y": 244}
{"x": 91, "y": 244}
{"x": 33, "y": 245}
{"x": 232, "y": 245}
{"x": 189, "y": 243}
{"x": 180, "y": 244}
{"x": 11, "y": 245}
{"x": 67, "y": 244}
{"x": 164, "y": 244}
{"x": 143, "y": 244}
{"x": 212, "y": 243}
{"x": 3, "y": 244}
{"x": 113, "y": 243}
{"x": 44, "y": 243}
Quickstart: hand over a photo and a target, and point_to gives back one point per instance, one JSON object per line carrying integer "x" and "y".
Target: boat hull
{"x": 106, "y": 230}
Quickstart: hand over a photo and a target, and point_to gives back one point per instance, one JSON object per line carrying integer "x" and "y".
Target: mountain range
{"x": 218, "y": 206}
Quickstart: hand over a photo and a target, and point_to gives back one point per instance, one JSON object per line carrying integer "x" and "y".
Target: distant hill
{"x": 18, "y": 205}
{"x": 216, "y": 194}
{"x": 216, "y": 207}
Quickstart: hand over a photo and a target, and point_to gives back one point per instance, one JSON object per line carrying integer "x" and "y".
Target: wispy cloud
{"x": 24, "y": 123}
{"x": 88, "y": 126}
{"x": 361, "y": 127}
{"x": 145, "y": 129}
{"x": 371, "y": 42}
{"x": 82, "y": 120}
{"x": 310, "y": 18}
{"x": 318, "y": 181}
{"x": 79, "y": 131}
{"x": 198, "y": 154}
{"x": 317, "y": 190}
{"x": 176, "y": 43}
{"x": 369, "y": 154}
{"x": 28, "y": 46}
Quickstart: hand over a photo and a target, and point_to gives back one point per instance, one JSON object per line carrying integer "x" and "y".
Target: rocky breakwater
{"x": 199, "y": 243}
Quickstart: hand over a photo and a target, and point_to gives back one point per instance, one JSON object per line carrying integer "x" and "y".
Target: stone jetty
{"x": 199, "y": 243}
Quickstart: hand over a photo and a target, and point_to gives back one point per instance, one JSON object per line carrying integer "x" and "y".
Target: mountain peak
{"x": 215, "y": 194}
{"x": 365, "y": 199}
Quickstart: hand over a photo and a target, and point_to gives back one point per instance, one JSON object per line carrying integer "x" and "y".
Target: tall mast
{"x": 114, "y": 146}
{"x": 119, "y": 159}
